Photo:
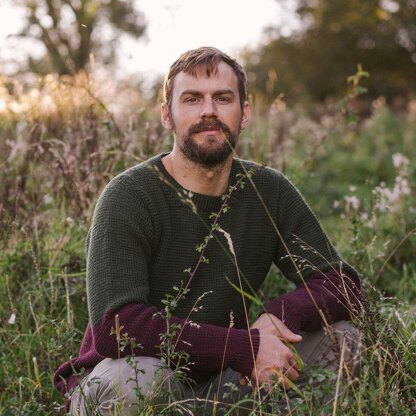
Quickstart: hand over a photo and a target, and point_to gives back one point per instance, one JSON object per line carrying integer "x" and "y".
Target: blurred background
{"x": 332, "y": 86}
{"x": 304, "y": 49}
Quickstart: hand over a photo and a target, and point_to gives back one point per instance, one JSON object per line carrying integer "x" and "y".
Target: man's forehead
{"x": 222, "y": 77}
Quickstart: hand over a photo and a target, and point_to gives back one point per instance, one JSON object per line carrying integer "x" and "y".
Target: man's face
{"x": 206, "y": 115}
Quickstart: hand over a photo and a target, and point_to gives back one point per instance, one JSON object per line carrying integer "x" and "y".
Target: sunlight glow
{"x": 173, "y": 26}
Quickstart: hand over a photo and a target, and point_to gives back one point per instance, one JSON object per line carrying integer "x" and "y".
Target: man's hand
{"x": 274, "y": 359}
{"x": 271, "y": 324}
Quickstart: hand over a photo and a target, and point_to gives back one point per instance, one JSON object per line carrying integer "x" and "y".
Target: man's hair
{"x": 203, "y": 59}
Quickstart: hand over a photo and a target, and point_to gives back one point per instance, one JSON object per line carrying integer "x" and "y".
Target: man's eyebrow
{"x": 199, "y": 93}
{"x": 224, "y": 91}
{"x": 190, "y": 92}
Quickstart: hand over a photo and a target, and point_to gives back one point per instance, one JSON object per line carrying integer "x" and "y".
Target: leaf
{"x": 247, "y": 295}
{"x": 291, "y": 384}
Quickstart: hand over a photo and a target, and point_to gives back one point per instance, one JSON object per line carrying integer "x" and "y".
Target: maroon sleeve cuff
{"x": 242, "y": 349}
{"x": 333, "y": 295}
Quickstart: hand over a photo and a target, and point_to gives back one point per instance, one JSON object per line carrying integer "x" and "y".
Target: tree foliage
{"x": 336, "y": 36}
{"x": 70, "y": 30}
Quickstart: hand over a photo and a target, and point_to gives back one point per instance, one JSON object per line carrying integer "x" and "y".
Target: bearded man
{"x": 178, "y": 248}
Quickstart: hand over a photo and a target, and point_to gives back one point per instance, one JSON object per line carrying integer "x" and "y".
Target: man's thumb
{"x": 291, "y": 336}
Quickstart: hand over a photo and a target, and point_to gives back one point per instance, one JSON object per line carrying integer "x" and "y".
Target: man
{"x": 178, "y": 248}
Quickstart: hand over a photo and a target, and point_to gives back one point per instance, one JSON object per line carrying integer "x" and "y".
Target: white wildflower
{"x": 352, "y": 202}
{"x": 12, "y": 319}
{"x": 402, "y": 186}
{"x": 384, "y": 197}
{"x": 400, "y": 161}
{"x": 47, "y": 199}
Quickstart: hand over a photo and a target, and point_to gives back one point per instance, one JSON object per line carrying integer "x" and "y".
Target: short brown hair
{"x": 204, "y": 58}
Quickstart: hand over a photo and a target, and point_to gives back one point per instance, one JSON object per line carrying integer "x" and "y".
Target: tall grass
{"x": 61, "y": 140}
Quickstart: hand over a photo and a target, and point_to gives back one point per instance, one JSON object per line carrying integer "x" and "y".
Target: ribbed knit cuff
{"x": 242, "y": 348}
{"x": 282, "y": 308}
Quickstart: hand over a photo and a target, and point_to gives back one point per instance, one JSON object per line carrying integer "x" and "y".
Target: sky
{"x": 174, "y": 26}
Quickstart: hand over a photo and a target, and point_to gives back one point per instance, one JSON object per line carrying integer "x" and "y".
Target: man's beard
{"x": 205, "y": 155}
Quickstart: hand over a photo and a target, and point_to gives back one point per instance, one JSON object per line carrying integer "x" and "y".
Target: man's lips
{"x": 210, "y": 132}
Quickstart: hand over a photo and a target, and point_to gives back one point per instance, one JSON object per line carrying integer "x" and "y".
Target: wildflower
{"x": 12, "y": 319}
{"x": 402, "y": 186}
{"x": 392, "y": 197}
{"x": 352, "y": 202}
{"x": 47, "y": 199}
{"x": 400, "y": 161}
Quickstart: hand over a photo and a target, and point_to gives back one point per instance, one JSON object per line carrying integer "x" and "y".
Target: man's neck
{"x": 195, "y": 177}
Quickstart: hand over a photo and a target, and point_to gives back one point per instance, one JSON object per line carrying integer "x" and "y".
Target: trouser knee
{"x": 120, "y": 383}
{"x": 348, "y": 345}
{"x": 334, "y": 346}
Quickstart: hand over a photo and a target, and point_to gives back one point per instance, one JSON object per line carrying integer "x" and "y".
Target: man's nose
{"x": 208, "y": 109}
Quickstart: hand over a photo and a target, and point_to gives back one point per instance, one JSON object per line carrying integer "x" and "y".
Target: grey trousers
{"x": 142, "y": 387}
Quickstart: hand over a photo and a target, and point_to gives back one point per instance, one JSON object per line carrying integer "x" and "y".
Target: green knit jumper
{"x": 150, "y": 239}
{"x": 150, "y": 236}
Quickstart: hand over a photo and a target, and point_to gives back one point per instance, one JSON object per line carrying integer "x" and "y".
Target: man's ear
{"x": 165, "y": 116}
{"x": 246, "y": 115}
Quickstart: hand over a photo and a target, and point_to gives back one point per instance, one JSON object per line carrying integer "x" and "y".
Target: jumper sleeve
{"x": 328, "y": 289}
{"x": 121, "y": 243}
{"x": 210, "y": 348}
{"x": 323, "y": 298}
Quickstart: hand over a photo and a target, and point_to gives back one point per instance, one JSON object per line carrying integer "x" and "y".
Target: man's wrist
{"x": 243, "y": 345}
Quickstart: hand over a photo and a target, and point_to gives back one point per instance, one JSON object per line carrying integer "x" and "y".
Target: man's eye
{"x": 191, "y": 100}
{"x": 223, "y": 99}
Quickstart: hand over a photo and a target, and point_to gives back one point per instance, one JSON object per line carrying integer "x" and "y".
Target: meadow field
{"x": 61, "y": 140}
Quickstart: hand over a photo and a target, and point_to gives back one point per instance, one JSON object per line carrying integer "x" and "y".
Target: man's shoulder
{"x": 142, "y": 171}
{"x": 139, "y": 176}
{"x": 260, "y": 171}
{"x": 137, "y": 182}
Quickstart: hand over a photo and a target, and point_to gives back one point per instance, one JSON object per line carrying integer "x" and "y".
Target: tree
{"x": 70, "y": 30}
{"x": 315, "y": 61}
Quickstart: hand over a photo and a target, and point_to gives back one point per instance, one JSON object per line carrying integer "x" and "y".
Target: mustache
{"x": 209, "y": 125}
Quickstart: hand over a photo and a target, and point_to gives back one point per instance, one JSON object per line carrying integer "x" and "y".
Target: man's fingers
{"x": 290, "y": 336}
{"x": 284, "y": 378}
{"x": 294, "y": 364}
{"x": 291, "y": 374}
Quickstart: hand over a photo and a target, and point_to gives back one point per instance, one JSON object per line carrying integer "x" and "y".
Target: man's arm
{"x": 327, "y": 288}
{"x": 210, "y": 348}
{"x": 323, "y": 298}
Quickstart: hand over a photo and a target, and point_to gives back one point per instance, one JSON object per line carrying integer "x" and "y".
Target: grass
{"x": 60, "y": 143}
